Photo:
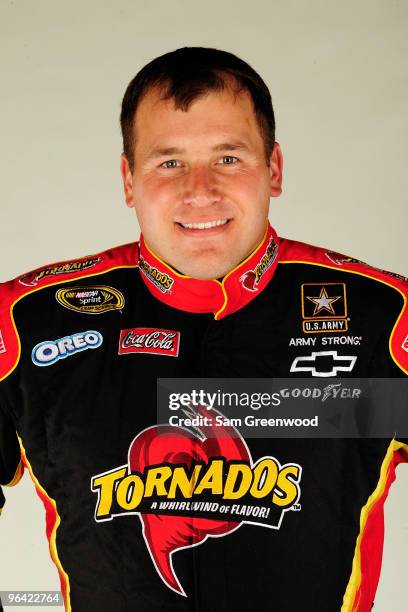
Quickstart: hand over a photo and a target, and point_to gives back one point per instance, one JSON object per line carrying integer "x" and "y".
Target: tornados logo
{"x": 340, "y": 259}
{"x": 187, "y": 487}
{"x": 32, "y": 278}
{"x": 251, "y": 278}
{"x": 161, "y": 280}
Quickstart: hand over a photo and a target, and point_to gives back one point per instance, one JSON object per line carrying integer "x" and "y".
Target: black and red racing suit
{"x": 82, "y": 345}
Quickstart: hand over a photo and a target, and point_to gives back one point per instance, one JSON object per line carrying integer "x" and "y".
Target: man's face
{"x": 203, "y": 166}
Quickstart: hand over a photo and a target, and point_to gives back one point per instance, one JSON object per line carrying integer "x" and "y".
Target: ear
{"x": 275, "y": 170}
{"x": 127, "y": 180}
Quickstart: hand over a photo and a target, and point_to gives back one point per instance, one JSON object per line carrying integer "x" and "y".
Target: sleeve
{"x": 401, "y": 450}
{"x": 11, "y": 468}
{"x": 399, "y": 352}
{"x": 389, "y": 363}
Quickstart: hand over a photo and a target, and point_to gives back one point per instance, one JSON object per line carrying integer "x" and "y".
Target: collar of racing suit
{"x": 222, "y": 297}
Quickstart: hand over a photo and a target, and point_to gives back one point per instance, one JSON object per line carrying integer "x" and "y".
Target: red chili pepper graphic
{"x": 248, "y": 280}
{"x": 29, "y": 279}
{"x": 169, "y": 444}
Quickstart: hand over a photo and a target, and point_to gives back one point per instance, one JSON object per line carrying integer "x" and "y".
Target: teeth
{"x": 204, "y": 225}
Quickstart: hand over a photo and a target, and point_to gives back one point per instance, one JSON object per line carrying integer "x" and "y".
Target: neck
{"x": 221, "y": 296}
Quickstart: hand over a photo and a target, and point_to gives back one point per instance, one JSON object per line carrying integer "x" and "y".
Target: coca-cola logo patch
{"x": 149, "y": 340}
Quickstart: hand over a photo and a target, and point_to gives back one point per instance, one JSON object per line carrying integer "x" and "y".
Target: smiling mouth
{"x": 217, "y": 223}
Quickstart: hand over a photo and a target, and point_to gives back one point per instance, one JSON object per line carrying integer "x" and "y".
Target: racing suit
{"x": 83, "y": 343}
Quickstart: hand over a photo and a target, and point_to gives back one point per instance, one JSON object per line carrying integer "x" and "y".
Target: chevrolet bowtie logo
{"x": 319, "y": 363}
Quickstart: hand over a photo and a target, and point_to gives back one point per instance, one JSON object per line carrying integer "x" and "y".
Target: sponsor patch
{"x": 393, "y": 274}
{"x": 32, "y": 278}
{"x": 174, "y": 477}
{"x": 251, "y": 279}
{"x": 90, "y": 300}
{"x": 327, "y": 340}
{"x": 50, "y": 351}
{"x": 161, "y": 280}
{"x": 149, "y": 340}
{"x": 332, "y": 391}
{"x": 404, "y": 345}
{"x": 323, "y": 363}
{"x": 324, "y": 307}
{"x": 2, "y": 345}
{"x": 339, "y": 260}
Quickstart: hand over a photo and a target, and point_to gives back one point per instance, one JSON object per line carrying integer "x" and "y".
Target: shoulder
{"x": 124, "y": 255}
{"x": 293, "y": 251}
{"x": 24, "y": 293}
{"x": 378, "y": 296}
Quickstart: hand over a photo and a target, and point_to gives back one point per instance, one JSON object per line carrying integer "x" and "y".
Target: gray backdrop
{"x": 338, "y": 73}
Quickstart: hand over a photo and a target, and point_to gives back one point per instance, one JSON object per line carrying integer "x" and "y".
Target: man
{"x": 178, "y": 518}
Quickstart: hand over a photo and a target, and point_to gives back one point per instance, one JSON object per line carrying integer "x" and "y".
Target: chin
{"x": 208, "y": 270}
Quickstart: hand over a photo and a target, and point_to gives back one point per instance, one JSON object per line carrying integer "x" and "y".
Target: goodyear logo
{"x": 161, "y": 280}
{"x": 90, "y": 300}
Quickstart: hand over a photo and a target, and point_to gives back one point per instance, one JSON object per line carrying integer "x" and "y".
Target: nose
{"x": 200, "y": 187}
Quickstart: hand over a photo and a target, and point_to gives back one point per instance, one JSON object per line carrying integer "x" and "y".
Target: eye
{"x": 228, "y": 160}
{"x": 173, "y": 163}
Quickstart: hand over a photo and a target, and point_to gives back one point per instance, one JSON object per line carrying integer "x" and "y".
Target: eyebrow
{"x": 223, "y": 146}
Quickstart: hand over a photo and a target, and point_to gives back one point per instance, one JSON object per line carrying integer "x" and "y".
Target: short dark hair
{"x": 186, "y": 74}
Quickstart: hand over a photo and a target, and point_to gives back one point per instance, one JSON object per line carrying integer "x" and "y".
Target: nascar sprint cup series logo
{"x": 161, "y": 280}
{"x": 188, "y": 485}
{"x": 250, "y": 279}
{"x": 90, "y": 300}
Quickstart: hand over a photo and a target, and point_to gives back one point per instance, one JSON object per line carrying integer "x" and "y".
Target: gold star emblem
{"x": 323, "y": 302}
